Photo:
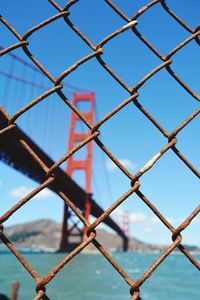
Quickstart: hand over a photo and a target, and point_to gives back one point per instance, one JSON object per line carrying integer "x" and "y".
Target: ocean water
{"x": 90, "y": 277}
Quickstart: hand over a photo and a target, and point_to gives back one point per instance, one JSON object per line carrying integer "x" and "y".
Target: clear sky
{"x": 170, "y": 185}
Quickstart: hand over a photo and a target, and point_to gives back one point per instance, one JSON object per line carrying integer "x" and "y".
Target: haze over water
{"x": 90, "y": 277}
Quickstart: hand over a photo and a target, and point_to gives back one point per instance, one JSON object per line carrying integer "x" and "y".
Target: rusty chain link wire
{"x": 166, "y": 62}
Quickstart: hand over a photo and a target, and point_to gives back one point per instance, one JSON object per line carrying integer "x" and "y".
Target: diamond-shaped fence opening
{"x": 161, "y": 25}
{"x": 47, "y": 37}
{"x": 131, "y": 54}
{"x": 185, "y": 65}
{"x": 130, "y": 117}
{"x": 49, "y": 173}
{"x": 96, "y": 19}
{"x": 165, "y": 106}
{"x": 188, "y": 142}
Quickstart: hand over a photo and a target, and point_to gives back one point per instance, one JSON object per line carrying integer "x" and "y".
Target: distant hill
{"x": 45, "y": 235}
{"x": 41, "y": 234}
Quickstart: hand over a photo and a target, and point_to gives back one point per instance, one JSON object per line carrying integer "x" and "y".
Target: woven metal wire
{"x": 166, "y": 63}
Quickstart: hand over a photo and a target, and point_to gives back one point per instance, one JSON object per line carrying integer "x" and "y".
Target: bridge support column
{"x": 126, "y": 230}
{"x": 125, "y": 244}
{"x": 85, "y": 104}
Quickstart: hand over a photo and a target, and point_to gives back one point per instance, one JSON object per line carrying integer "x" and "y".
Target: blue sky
{"x": 170, "y": 185}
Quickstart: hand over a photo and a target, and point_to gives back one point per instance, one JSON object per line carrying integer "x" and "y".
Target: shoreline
{"x": 93, "y": 252}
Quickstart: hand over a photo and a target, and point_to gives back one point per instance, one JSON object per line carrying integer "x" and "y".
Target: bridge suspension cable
{"x": 31, "y": 66}
{"x": 30, "y": 78}
{"x": 107, "y": 180}
{"x": 31, "y": 81}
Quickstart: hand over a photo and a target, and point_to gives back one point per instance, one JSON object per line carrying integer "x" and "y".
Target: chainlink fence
{"x": 166, "y": 63}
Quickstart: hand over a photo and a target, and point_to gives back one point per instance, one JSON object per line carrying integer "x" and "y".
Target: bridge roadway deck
{"x": 15, "y": 155}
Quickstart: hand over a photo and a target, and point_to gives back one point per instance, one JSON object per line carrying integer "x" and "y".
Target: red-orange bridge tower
{"x": 68, "y": 240}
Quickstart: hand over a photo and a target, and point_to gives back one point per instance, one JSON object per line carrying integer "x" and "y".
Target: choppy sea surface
{"x": 90, "y": 277}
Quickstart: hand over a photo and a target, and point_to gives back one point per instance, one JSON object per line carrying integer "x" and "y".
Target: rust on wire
{"x": 8, "y": 127}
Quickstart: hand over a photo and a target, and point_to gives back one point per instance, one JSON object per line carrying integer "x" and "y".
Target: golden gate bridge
{"x": 15, "y": 155}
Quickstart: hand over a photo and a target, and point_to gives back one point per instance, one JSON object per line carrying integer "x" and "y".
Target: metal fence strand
{"x": 9, "y": 129}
